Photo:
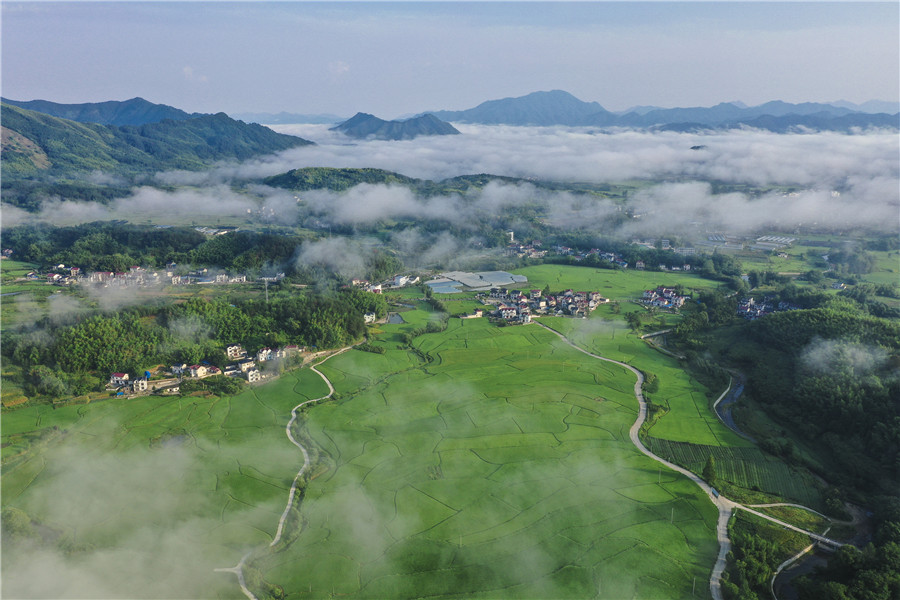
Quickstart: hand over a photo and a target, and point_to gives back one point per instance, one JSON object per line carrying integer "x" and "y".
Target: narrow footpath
{"x": 239, "y": 568}
{"x": 725, "y": 506}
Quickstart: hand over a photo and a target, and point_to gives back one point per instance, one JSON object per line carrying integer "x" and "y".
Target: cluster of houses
{"x": 751, "y": 309}
{"x": 134, "y": 277}
{"x": 138, "y": 277}
{"x": 530, "y": 250}
{"x": 612, "y": 257}
{"x": 123, "y": 384}
{"x": 516, "y": 307}
{"x": 663, "y": 297}
{"x": 245, "y": 366}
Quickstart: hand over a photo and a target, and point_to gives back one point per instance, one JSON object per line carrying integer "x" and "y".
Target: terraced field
{"x": 748, "y": 468}
{"x": 499, "y": 468}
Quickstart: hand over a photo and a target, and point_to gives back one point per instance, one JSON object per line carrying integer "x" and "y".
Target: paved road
{"x": 724, "y": 405}
{"x": 239, "y": 568}
{"x": 725, "y": 506}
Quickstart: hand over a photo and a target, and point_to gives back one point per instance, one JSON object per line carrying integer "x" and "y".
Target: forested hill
{"x": 136, "y": 111}
{"x": 365, "y": 126}
{"x": 314, "y": 178}
{"x": 831, "y": 374}
{"x": 338, "y": 180}
{"x": 35, "y": 143}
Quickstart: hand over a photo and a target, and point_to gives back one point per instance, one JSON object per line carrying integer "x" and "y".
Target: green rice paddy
{"x": 613, "y": 284}
{"x": 484, "y": 462}
{"x": 501, "y": 467}
{"x": 159, "y": 490}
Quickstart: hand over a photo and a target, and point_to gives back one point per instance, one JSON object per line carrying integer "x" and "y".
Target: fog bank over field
{"x": 843, "y": 181}
{"x": 584, "y": 154}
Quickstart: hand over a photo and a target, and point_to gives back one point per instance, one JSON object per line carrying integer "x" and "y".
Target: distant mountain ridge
{"x": 284, "y": 118}
{"x": 555, "y": 107}
{"x": 136, "y": 111}
{"x": 363, "y": 126}
{"x": 561, "y": 108}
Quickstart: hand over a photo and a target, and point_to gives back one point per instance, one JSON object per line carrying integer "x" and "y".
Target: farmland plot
{"x": 499, "y": 468}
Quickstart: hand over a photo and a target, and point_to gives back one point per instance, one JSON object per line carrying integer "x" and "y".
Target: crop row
{"x": 746, "y": 467}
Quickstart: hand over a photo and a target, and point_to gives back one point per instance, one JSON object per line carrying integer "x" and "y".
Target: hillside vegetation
{"x": 338, "y": 180}
{"x": 136, "y": 111}
{"x": 37, "y": 143}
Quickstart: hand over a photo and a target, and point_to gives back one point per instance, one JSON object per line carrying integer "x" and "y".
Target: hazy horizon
{"x": 398, "y": 59}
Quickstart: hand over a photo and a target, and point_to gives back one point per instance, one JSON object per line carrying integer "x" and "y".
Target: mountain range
{"x": 136, "y": 111}
{"x": 35, "y": 143}
{"x": 366, "y": 126}
{"x": 558, "y": 107}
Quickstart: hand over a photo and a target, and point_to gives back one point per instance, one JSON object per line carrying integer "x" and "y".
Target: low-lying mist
{"x": 839, "y": 181}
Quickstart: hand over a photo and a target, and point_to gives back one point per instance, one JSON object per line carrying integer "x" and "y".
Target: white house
{"x": 253, "y": 375}
{"x": 235, "y": 351}
{"x": 508, "y": 312}
{"x": 197, "y": 370}
{"x": 118, "y": 379}
{"x": 179, "y": 369}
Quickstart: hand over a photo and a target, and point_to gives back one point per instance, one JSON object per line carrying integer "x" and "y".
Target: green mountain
{"x": 136, "y": 111}
{"x": 366, "y": 126}
{"x": 338, "y": 180}
{"x": 34, "y": 143}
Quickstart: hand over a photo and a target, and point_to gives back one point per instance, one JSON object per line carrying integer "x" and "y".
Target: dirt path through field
{"x": 239, "y": 568}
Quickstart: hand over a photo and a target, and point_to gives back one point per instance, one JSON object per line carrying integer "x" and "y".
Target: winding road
{"x": 239, "y": 568}
{"x": 725, "y": 506}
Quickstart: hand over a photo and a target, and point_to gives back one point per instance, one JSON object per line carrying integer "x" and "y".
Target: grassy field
{"x": 21, "y": 299}
{"x": 690, "y": 417}
{"x": 501, "y": 467}
{"x": 616, "y": 285}
{"x": 887, "y": 268}
{"x": 152, "y": 493}
{"x": 485, "y": 461}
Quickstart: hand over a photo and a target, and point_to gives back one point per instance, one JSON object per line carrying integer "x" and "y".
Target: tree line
{"x": 61, "y": 360}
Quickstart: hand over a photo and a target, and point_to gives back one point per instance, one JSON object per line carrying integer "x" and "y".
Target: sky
{"x": 397, "y": 59}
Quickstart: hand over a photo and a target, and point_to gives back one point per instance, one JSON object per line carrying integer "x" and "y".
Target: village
{"x": 515, "y": 307}
{"x": 752, "y": 309}
{"x": 137, "y": 276}
{"x": 167, "y": 381}
{"x": 664, "y": 298}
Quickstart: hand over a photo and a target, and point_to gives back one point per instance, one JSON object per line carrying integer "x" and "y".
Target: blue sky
{"x": 392, "y": 59}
